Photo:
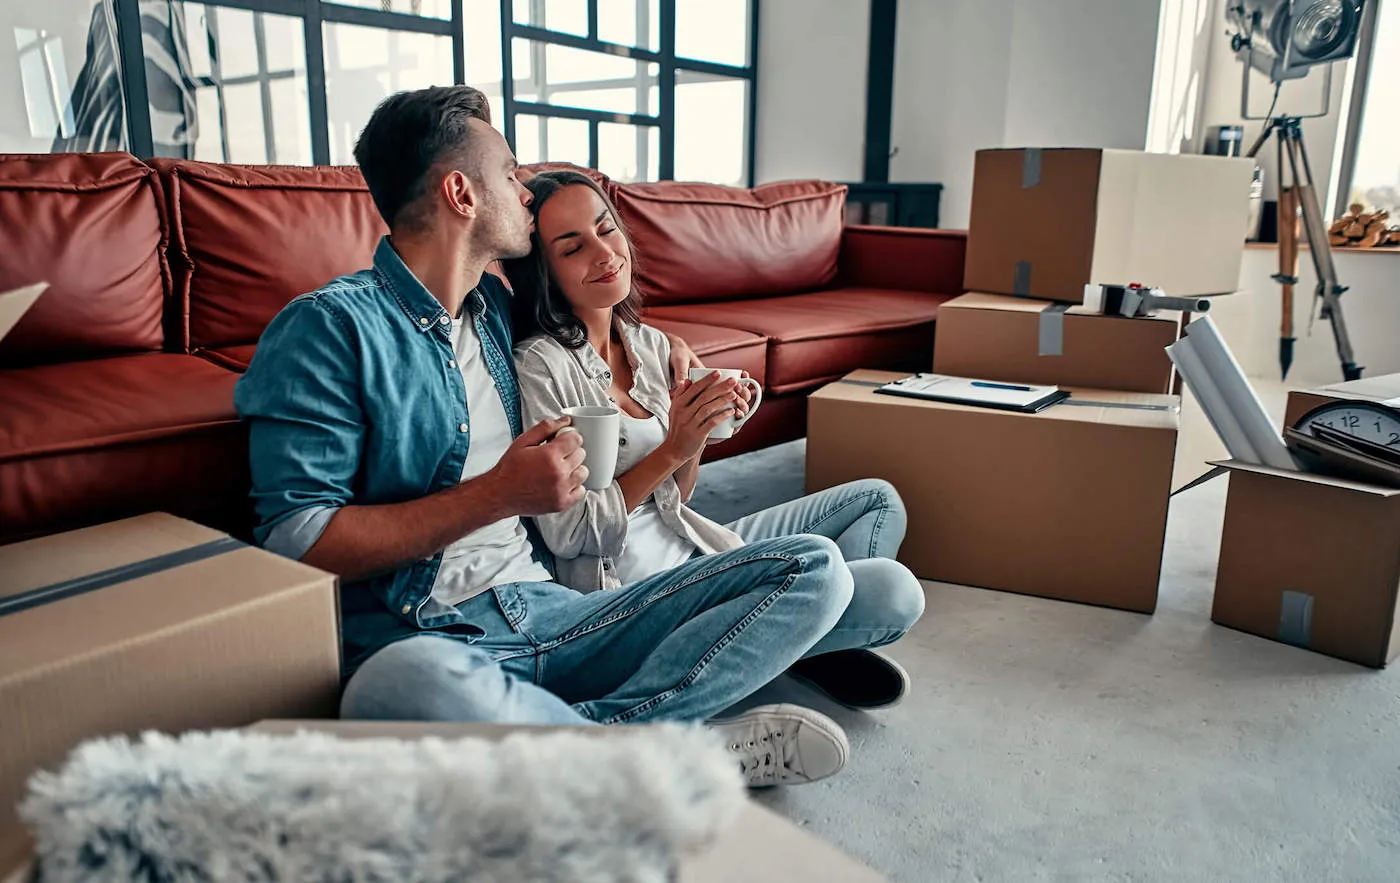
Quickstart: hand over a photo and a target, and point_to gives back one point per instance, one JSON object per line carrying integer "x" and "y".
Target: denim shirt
{"x": 354, "y": 398}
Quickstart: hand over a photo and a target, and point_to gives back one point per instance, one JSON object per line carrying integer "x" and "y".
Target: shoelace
{"x": 771, "y": 770}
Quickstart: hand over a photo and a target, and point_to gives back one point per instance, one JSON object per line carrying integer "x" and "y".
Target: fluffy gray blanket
{"x": 234, "y": 805}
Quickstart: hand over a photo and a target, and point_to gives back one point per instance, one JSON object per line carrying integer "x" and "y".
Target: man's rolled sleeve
{"x": 301, "y": 399}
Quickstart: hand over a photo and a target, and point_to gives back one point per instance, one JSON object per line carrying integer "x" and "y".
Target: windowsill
{"x": 1273, "y": 246}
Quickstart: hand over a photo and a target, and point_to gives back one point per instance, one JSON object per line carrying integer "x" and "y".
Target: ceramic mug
{"x": 599, "y": 428}
{"x": 733, "y": 424}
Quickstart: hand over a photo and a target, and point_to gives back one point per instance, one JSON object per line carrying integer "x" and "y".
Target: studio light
{"x": 1284, "y": 38}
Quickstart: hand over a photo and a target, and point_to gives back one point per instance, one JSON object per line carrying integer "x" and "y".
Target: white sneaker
{"x": 784, "y": 744}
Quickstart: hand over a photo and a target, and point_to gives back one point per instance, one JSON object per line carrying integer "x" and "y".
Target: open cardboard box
{"x": 1310, "y": 559}
{"x": 759, "y": 845}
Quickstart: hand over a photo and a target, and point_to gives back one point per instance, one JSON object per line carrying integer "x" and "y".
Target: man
{"x": 386, "y": 430}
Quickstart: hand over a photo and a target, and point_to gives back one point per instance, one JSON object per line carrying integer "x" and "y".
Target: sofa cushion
{"x": 816, "y": 337}
{"x": 720, "y": 347}
{"x": 244, "y": 240}
{"x": 85, "y": 442}
{"x": 88, "y": 225}
{"x": 705, "y": 242}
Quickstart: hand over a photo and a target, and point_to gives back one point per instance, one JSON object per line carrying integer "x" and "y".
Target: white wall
{"x": 971, "y": 74}
{"x": 66, "y": 19}
{"x": 811, "y": 89}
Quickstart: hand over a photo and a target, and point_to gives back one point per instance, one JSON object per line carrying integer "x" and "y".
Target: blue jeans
{"x": 680, "y": 645}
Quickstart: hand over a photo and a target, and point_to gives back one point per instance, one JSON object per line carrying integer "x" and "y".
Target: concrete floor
{"x": 1052, "y": 741}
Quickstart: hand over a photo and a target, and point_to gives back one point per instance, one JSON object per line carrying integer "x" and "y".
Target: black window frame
{"x": 316, "y": 13}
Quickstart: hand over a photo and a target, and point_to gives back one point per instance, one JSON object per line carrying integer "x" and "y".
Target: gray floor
{"x": 1054, "y": 741}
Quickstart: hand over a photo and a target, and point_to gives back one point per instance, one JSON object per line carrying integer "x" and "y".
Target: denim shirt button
{"x": 407, "y": 609}
{"x": 444, "y": 320}
{"x": 423, "y": 321}
{"x": 461, "y": 427}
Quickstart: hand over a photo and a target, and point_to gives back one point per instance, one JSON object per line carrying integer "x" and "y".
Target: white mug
{"x": 599, "y": 428}
{"x": 733, "y": 424}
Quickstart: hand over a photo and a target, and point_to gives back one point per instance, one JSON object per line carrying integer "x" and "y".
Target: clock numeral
{"x": 1351, "y": 421}
{"x": 1394, "y": 439}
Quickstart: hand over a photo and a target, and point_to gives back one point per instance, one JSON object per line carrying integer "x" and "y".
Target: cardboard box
{"x": 760, "y": 845}
{"x": 1312, "y": 561}
{"x": 996, "y": 337}
{"x": 151, "y": 623}
{"x": 1070, "y": 503}
{"x": 1371, "y": 389}
{"x": 1045, "y": 223}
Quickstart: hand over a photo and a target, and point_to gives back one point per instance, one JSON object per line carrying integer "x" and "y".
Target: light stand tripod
{"x": 1301, "y": 194}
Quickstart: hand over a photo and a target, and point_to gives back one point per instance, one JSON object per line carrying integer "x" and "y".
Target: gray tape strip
{"x": 1295, "y": 618}
{"x": 1030, "y": 167}
{"x": 1022, "y": 284}
{"x": 1052, "y": 330}
{"x": 104, "y": 578}
{"x": 875, "y": 383}
{"x": 1125, "y": 406}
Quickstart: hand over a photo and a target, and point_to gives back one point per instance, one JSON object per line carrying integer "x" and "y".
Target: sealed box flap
{"x": 1111, "y": 407}
{"x": 1374, "y": 490}
{"x": 135, "y": 604}
{"x": 14, "y": 304}
{"x": 759, "y": 845}
{"x": 53, "y": 559}
{"x": 976, "y": 300}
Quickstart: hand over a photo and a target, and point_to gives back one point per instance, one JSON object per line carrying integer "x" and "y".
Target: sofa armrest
{"x": 909, "y": 258}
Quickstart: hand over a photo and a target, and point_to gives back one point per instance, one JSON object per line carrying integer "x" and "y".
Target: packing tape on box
{"x": 1021, "y": 284}
{"x": 104, "y": 578}
{"x": 1123, "y": 406}
{"x": 1052, "y": 330}
{"x": 1295, "y": 618}
{"x": 1030, "y": 167}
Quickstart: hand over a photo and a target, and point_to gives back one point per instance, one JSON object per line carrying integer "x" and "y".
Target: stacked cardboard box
{"x": 1309, "y": 559}
{"x": 1070, "y": 503}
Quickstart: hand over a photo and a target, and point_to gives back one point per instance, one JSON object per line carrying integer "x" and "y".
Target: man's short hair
{"x": 408, "y": 135}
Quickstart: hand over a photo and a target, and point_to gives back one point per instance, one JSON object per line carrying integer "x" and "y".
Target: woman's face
{"x": 586, "y": 252}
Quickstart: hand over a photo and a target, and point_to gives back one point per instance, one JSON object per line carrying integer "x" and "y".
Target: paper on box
{"x": 151, "y": 622}
{"x": 1013, "y": 339}
{"x": 760, "y": 845}
{"x": 1047, "y": 222}
{"x": 1069, "y": 503}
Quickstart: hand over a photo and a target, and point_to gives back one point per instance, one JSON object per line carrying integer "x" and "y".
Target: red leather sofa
{"x": 116, "y": 388}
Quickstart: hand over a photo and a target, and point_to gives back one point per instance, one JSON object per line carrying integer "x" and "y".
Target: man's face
{"x": 503, "y": 221}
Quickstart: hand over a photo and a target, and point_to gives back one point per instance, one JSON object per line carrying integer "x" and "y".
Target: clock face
{"x": 1370, "y": 421}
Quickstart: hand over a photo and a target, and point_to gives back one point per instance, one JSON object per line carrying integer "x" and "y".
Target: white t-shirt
{"x": 652, "y": 546}
{"x": 498, "y": 553}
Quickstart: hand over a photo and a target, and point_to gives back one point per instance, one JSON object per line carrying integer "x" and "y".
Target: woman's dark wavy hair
{"x": 538, "y": 305}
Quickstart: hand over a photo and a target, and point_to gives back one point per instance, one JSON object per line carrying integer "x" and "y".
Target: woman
{"x": 578, "y": 321}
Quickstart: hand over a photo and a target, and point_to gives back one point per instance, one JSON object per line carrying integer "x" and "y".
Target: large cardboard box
{"x": 1047, "y": 222}
{"x": 996, "y": 337}
{"x": 1070, "y": 503}
{"x": 1311, "y": 560}
{"x": 151, "y": 623}
{"x": 760, "y": 845}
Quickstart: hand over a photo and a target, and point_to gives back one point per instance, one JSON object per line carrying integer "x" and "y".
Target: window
{"x": 640, "y": 89}
{"x": 1375, "y": 144}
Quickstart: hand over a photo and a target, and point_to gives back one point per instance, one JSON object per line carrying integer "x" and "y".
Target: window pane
{"x": 428, "y": 8}
{"x": 483, "y": 50}
{"x": 1376, "y": 182}
{"x": 63, "y": 86}
{"x": 248, "y": 75}
{"x": 713, "y": 30}
{"x": 629, "y": 153}
{"x": 576, "y": 78}
{"x": 549, "y": 139}
{"x": 630, "y": 22}
{"x": 566, "y": 16}
{"x": 366, "y": 65}
{"x": 711, "y": 128}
